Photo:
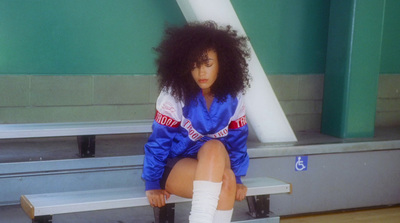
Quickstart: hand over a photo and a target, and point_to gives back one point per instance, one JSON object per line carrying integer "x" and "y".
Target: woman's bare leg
{"x": 181, "y": 177}
{"x": 212, "y": 164}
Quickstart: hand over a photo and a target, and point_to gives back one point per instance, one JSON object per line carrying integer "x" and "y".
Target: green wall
{"x": 117, "y": 36}
{"x": 82, "y": 36}
{"x": 390, "y": 60}
{"x": 289, "y": 36}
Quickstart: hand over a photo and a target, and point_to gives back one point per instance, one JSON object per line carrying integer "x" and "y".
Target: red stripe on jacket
{"x": 238, "y": 123}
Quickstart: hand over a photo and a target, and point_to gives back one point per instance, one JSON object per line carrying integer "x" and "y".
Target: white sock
{"x": 204, "y": 201}
{"x": 223, "y": 216}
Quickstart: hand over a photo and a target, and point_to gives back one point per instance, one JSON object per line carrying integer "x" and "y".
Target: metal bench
{"x": 41, "y": 207}
{"x": 85, "y": 131}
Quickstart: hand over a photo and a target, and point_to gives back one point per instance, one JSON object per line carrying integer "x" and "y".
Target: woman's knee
{"x": 213, "y": 149}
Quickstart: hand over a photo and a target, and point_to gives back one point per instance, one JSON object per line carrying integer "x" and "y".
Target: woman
{"x": 198, "y": 146}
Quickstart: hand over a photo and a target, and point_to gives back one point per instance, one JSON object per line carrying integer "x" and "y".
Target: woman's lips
{"x": 203, "y": 80}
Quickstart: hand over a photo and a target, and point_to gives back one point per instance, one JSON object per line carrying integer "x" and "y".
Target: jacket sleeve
{"x": 237, "y": 141}
{"x": 165, "y": 126}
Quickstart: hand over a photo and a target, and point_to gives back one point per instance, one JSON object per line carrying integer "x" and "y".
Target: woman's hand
{"x": 241, "y": 191}
{"x": 157, "y": 197}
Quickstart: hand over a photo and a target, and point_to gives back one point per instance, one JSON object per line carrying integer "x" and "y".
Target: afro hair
{"x": 184, "y": 47}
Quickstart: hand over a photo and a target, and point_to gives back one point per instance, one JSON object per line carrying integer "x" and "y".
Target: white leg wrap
{"x": 204, "y": 201}
{"x": 222, "y": 216}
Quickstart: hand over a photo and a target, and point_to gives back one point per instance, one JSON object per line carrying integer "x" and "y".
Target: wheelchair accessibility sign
{"x": 301, "y": 163}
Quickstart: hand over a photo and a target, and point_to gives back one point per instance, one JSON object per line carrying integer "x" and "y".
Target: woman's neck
{"x": 209, "y": 97}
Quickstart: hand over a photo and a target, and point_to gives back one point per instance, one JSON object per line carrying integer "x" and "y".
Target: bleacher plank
{"x": 78, "y": 201}
{"x": 35, "y": 130}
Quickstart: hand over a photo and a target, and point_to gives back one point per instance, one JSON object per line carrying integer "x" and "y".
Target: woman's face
{"x": 206, "y": 73}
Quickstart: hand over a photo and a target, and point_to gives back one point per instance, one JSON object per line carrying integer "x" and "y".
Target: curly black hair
{"x": 184, "y": 47}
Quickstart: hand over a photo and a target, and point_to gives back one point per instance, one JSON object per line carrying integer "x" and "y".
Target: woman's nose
{"x": 202, "y": 70}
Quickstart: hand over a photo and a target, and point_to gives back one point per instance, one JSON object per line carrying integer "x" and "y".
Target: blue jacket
{"x": 180, "y": 130}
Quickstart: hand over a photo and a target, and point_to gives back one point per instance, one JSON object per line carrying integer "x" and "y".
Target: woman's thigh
{"x": 180, "y": 179}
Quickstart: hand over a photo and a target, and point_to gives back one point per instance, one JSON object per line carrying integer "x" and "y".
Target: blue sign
{"x": 301, "y": 163}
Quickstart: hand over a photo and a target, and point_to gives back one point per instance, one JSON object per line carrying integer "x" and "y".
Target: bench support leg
{"x": 43, "y": 219}
{"x": 86, "y": 145}
{"x": 164, "y": 214}
{"x": 258, "y": 206}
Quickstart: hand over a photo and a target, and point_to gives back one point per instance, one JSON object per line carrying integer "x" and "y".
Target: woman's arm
{"x": 237, "y": 147}
{"x": 165, "y": 127}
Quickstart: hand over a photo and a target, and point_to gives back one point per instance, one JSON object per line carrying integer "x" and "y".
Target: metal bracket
{"x": 43, "y": 219}
{"x": 87, "y": 145}
{"x": 164, "y": 214}
{"x": 258, "y": 206}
